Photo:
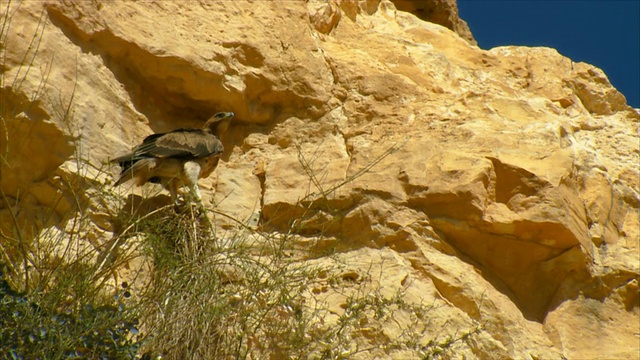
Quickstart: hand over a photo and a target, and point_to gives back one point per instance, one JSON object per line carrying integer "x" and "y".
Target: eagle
{"x": 176, "y": 158}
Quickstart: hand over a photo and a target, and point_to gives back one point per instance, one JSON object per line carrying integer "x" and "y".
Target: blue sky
{"x": 602, "y": 33}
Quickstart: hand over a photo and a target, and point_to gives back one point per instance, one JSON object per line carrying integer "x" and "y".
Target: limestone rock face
{"x": 503, "y": 183}
{"x": 441, "y": 12}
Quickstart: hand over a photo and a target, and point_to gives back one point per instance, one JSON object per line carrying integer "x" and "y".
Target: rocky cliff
{"x": 500, "y": 185}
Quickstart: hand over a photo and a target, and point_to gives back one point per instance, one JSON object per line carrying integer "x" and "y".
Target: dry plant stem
{"x": 18, "y": 233}
{"x": 58, "y": 278}
{"x": 20, "y": 76}
{"x": 34, "y": 46}
{"x": 307, "y": 166}
{"x": 22, "y": 246}
{"x": 122, "y": 237}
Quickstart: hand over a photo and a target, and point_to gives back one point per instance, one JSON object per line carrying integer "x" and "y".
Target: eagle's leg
{"x": 192, "y": 172}
{"x": 172, "y": 186}
{"x": 195, "y": 191}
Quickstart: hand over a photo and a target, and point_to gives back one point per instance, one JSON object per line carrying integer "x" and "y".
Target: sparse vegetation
{"x": 39, "y": 326}
{"x": 192, "y": 291}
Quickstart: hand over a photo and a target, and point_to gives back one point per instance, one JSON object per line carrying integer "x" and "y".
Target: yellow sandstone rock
{"x": 505, "y": 185}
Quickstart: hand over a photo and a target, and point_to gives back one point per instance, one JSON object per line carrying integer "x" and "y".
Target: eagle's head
{"x": 218, "y": 123}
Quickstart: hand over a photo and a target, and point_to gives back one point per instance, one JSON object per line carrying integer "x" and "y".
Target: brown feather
{"x": 187, "y": 144}
{"x": 184, "y": 155}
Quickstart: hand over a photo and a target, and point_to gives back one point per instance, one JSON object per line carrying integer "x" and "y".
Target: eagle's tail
{"x": 138, "y": 169}
{"x": 125, "y": 161}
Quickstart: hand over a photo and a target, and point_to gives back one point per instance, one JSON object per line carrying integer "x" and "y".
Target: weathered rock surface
{"x": 503, "y": 183}
{"x": 441, "y": 12}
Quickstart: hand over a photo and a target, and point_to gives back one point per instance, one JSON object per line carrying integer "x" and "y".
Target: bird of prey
{"x": 176, "y": 158}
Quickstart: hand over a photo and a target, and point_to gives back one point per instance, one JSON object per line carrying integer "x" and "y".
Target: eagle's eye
{"x": 223, "y": 115}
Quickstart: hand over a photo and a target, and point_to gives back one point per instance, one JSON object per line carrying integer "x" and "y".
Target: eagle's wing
{"x": 168, "y": 156}
{"x": 181, "y": 143}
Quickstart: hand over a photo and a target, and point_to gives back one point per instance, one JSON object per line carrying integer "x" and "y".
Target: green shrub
{"x": 35, "y": 327}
